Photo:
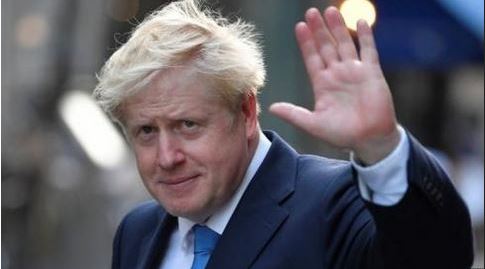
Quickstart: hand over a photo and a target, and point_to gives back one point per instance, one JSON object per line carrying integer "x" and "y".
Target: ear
{"x": 250, "y": 114}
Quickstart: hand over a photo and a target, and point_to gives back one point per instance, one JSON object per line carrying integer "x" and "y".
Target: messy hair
{"x": 183, "y": 33}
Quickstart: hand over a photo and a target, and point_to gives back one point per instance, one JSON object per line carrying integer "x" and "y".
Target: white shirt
{"x": 386, "y": 180}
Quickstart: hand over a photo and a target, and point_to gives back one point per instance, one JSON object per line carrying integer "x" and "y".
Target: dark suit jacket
{"x": 304, "y": 211}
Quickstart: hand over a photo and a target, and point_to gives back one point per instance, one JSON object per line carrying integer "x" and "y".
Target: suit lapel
{"x": 156, "y": 244}
{"x": 258, "y": 214}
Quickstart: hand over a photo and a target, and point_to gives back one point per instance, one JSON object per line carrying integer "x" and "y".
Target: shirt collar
{"x": 218, "y": 221}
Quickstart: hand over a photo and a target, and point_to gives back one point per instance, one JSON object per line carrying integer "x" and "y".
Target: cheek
{"x": 229, "y": 160}
{"x": 144, "y": 160}
{"x": 221, "y": 151}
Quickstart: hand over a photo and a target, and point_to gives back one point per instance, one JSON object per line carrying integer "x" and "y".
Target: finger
{"x": 345, "y": 44}
{"x": 368, "y": 51}
{"x": 313, "y": 61}
{"x": 296, "y": 115}
{"x": 326, "y": 45}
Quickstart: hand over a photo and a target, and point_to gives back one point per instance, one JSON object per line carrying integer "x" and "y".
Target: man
{"x": 184, "y": 89}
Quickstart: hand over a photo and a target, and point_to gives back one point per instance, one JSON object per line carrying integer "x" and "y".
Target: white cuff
{"x": 385, "y": 182}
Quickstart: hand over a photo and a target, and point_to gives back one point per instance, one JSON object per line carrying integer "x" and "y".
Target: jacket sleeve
{"x": 429, "y": 228}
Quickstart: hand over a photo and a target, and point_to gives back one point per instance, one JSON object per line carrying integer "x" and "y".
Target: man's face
{"x": 191, "y": 151}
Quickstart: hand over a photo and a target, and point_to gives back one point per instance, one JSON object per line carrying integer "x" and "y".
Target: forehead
{"x": 177, "y": 81}
{"x": 171, "y": 91}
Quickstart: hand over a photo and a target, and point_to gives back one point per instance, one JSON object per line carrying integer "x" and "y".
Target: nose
{"x": 170, "y": 153}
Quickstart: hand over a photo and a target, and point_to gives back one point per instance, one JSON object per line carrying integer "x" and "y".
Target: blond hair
{"x": 182, "y": 33}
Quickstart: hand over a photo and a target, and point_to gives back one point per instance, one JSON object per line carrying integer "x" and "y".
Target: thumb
{"x": 295, "y": 115}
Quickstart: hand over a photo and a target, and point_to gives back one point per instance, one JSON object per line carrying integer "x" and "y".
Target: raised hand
{"x": 353, "y": 104}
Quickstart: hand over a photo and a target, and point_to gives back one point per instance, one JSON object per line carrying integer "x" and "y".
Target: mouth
{"x": 177, "y": 181}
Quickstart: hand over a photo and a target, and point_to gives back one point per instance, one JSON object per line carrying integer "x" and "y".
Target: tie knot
{"x": 205, "y": 239}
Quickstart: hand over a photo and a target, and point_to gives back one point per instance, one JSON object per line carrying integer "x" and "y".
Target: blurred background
{"x": 68, "y": 176}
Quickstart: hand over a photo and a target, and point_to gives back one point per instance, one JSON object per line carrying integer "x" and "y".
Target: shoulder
{"x": 324, "y": 184}
{"x": 132, "y": 235}
{"x": 324, "y": 172}
{"x": 141, "y": 221}
{"x": 318, "y": 165}
{"x": 308, "y": 175}
{"x": 145, "y": 214}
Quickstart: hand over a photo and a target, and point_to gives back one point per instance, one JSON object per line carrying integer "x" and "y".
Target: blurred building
{"x": 61, "y": 203}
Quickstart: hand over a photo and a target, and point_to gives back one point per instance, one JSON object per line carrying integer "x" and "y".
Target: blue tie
{"x": 205, "y": 241}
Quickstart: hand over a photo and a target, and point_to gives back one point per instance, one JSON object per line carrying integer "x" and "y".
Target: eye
{"x": 188, "y": 127}
{"x": 189, "y": 124}
{"x": 144, "y": 133}
{"x": 146, "y": 129}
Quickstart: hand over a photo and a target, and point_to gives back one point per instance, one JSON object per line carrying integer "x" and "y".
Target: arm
{"x": 354, "y": 110}
{"x": 429, "y": 227}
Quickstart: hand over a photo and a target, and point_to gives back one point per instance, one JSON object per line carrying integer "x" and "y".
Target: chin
{"x": 194, "y": 213}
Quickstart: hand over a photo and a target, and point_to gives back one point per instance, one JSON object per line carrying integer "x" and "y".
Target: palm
{"x": 353, "y": 104}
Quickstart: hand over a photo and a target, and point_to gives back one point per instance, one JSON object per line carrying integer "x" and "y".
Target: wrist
{"x": 377, "y": 148}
